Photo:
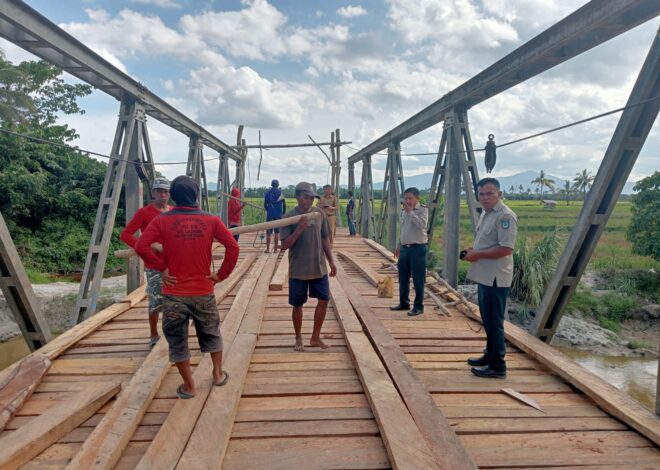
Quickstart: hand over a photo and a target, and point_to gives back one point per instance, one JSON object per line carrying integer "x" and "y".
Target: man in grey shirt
{"x": 412, "y": 252}
{"x": 492, "y": 270}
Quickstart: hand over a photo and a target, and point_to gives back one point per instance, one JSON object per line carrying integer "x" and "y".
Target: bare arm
{"x": 291, "y": 240}
{"x": 327, "y": 249}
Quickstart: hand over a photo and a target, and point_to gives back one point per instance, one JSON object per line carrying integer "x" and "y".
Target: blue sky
{"x": 293, "y": 68}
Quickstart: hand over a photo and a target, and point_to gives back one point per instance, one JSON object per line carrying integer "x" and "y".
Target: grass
{"x": 37, "y": 277}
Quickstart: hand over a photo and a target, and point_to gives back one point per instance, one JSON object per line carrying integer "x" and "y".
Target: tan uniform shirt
{"x": 306, "y": 256}
{"x": 413, "y": 225}
{"x": 326, "y": 202}
{"x": 498, "y": 227}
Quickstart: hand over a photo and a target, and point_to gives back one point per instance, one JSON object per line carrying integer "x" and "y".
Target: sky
{"x": 296, "y": 68}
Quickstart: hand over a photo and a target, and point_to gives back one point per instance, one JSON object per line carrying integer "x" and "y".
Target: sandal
{"x": 224, "y": 379}
{"x": 183, "y": 395}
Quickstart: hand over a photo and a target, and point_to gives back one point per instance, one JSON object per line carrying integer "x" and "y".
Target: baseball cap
{"x": 275, "y": 183}
{"x": 161, "y": 183}
{"x": 306, "y": 189}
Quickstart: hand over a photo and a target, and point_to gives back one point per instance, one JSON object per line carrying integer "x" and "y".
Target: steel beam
{"x": 595, "y": 23}
{"x": 32, "y": 31}
{"x": 621, "y": 154}
{"x": 395, "y": 193}
{"x": 367, "y": 224}
{"x": 452, "y": 209}
{"x": 131, "y": 117}
{"x": 223, "y": 188}
{"x": 19, "y": 295}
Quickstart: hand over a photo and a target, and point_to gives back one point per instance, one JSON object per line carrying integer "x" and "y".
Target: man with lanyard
{"x": 492, "y": 270}
{"x": 328, "y": 203}
{"x": 187, "y": 235}
{"x": 275, "y": 206}
{"x": 308, "y": 243}
{"x": 160, "y": 192}
{"x": 412, "y": 252}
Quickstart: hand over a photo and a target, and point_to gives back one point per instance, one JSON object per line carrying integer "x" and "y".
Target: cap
{"x": 306, "y": 189}
{"x": 275, "y": 183}
{"x": 161, "y": 183}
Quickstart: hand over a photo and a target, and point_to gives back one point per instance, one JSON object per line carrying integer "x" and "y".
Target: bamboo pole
{"x": 312, "y": 217}
{"x": 241, "y": 200}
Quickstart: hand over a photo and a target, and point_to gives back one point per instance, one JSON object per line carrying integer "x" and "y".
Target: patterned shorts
{"x": 154, "y": 290}
{"x": 177, "y": 312}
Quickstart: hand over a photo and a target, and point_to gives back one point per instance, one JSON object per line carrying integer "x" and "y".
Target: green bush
{"x": 533, "y": 266}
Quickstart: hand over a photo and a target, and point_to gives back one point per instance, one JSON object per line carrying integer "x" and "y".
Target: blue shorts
{"x": 270, "y": 230}
{"x": 318, "y": 289}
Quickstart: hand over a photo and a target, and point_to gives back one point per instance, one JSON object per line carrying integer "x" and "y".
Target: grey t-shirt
{"x": 498, "y": 227}
{"x": 306, "y": 256}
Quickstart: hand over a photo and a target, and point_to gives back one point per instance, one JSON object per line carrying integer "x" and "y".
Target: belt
{"x": 331, "y": 215}
{"x": 410, "y": 245}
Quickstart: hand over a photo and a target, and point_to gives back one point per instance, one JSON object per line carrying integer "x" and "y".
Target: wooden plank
{"x": 281, "y": 274}
{"x": 105, "y": 445}
{"x": 380, "y": 249}
{"x": 405, "y": 445}
{"x": 343, "y": 308}
{"x": 19, "y": 386}
{"x": 370, "y": 275}
{"x": 168, "y": 446}
{"x": 328, "y": 427}
{"x": 607, "y": 396}
{"x": 434, "y": 428}
{"x": 27, "y": 442}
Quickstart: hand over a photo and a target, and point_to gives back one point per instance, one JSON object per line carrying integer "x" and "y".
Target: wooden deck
{"x": 391, "y": 392}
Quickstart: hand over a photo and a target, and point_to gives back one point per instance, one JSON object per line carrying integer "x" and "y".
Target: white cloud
{"x": 351, "y": 11}
{"x": 159, "y": 3}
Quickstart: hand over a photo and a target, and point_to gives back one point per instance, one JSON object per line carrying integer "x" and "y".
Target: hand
{"x": 157, "y": 247}
{"x": 397, "y": 252}
{"x": 167, "y": 279}
{"x": 214, "y": 277}
{"x": 333, "y": 270}
{"x": 471, "y": 256}
{"x": 408, "y": 208}
{"x": 303, "y": 224}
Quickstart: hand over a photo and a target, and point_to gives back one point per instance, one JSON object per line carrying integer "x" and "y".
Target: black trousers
{"x": 492, "y": 305}
{"x": 412, "y": 262}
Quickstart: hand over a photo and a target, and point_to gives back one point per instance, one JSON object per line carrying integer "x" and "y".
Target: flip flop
{"x": 224, "y": 380}
{"x": 183, "y": 395}
{"x": 153, "y": 341}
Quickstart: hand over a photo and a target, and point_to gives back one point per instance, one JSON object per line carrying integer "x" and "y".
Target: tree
{"x": 567, "y": 191}
{"x": 512, "y": 189}
{"x": 542, "y": 182}
{"x": 582, "y": 182}
{"x": 521, "y": 189}
{"x": 644, "y": 229}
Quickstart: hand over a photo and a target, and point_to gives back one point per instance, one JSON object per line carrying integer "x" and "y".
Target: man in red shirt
{"x": 234, "y": 208}
{"x": 187, "y": 235}
{"x": 160, "y": 192}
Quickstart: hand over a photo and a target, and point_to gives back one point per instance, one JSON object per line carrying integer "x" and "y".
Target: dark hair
{"x": 350, "y": 193}
{"x": 184, "y": 191}
{"x": 327, "y": 186}
{"x": 483, "y": 182}
{"x": 414, "y": 191}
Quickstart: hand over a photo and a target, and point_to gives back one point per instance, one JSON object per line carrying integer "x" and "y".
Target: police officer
{"x": 412, "y": 252}
{"x": 492, "y": 270}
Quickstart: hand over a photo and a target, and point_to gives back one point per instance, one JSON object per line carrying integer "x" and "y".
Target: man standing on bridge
{"x": 492, "y": 270}
{"x": 160, "y": 192}
{"x": 308, "y": 243}
{"x": 329, "y": 203}
{"x": 275, "y": 206}
{"x": 187, "y": 235}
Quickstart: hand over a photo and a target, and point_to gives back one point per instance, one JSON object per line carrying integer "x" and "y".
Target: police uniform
{"x": 412, "y": 256}
{"x": 497, "y": 227}
{"x": 325, "y": 203}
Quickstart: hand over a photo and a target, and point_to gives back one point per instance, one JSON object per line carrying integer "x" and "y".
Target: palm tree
{"x": 541, "y": 181}
{"x": 512, "y": 189}
{"x": 521, "y": 188}
{"x": 567, "y": 191}
{"x": 582, "y": 182}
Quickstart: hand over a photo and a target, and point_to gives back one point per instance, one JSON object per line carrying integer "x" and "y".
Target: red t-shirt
{"x": 234, "y": 212}
{"x": 187, "y": 235}
{"x": 140, "y": 221}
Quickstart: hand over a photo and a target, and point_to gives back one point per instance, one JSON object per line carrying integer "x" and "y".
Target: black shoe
{"x": 396, "y": 308}
{"x": 487, "y": 373}
{"x": 415, "y": 311}
{"x": 478, "y": 361}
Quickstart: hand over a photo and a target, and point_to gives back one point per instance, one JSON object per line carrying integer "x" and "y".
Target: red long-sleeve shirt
{"x": 187, "y": 235}
{"x": 140, "y": 221}
{"x": 234, "y": 208}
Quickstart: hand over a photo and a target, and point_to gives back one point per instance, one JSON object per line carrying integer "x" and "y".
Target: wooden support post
{"x": 19, "y": 295}
{"x": 628, "y": 139}
{"x": 337, "y": 175}
{"x": 452, "y": 212}
{"x": 131, "y": 115}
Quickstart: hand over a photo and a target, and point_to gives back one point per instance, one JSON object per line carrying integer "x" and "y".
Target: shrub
{"x": 533, "y": 266}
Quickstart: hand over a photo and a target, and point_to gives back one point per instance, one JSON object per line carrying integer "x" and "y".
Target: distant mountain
{"x": 423, "y": 181}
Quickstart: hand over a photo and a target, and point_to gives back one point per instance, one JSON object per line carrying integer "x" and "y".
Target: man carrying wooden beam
{"x": 160, "y": 192}
{"x": 308, "y": 243}
{"x": 187, "y": 235}
{"x": 492, "y": 270}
